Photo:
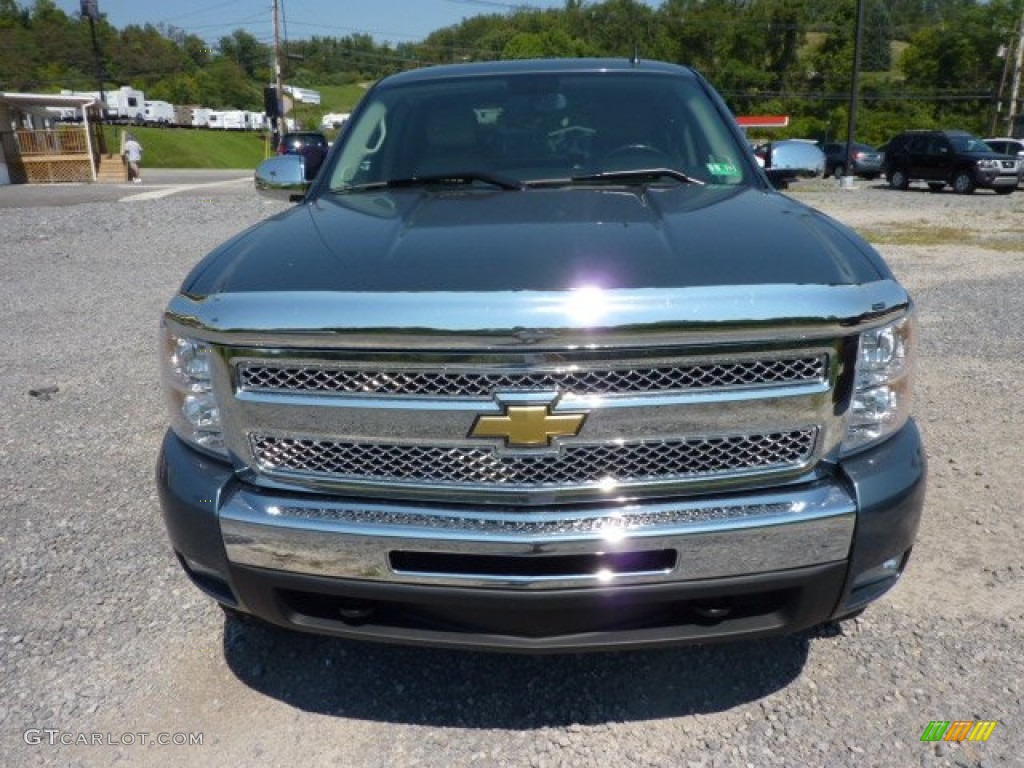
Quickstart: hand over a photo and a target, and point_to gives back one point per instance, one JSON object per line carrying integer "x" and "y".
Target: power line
{"x": 506, "y": 6}
{"x": 201, "y": 11}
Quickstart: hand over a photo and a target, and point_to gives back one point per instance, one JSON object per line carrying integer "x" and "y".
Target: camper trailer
{"x": 333, "y": 120}
{"x": 201, "y": 117}
{"x": 182, "y": 115}
{"x": 65, "y": 114}
{"x": 230, "y": 120}
{"x": 159, "y": 113}
{"x": 125, "y": 105}
{"x": 258, "y": 121}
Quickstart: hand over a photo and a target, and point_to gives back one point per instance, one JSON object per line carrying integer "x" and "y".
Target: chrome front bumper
{"x": 549, "y": 578}
{"x": 612, "y": 545}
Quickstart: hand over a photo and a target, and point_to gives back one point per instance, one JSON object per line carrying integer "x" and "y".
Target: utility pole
{"x": 851, "y": 127}
{"x": 90, "y": 9}
{"x": 278, "y": 85}
{"x": 1004, "y": 54}
{"x": 1015, "y": 88}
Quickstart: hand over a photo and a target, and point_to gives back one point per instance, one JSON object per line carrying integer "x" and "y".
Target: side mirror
{"x": 791, "y": 159}
{"x": 282, "y": 178}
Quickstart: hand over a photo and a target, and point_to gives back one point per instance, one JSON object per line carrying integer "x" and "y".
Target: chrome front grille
{"x": 575, "y": 465}
{"x": 263, "y": 376}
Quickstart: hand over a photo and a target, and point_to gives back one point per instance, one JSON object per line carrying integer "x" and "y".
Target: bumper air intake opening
{"x": 533, "y": 619}
{"x": 585, "y": 617}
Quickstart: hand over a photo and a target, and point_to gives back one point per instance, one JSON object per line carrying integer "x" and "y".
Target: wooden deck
{"x": 48, "y": 156}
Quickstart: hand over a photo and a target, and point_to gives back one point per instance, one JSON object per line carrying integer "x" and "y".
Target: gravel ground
{"x": 100, "y": 633}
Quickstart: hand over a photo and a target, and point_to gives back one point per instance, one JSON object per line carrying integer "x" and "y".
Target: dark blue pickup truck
{"x": 541, "y": 361}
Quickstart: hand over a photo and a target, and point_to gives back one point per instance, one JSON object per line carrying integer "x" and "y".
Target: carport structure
{"x": 36, "y": 148}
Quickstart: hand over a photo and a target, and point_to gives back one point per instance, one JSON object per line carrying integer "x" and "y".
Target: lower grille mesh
{"x": 573, "y": 466}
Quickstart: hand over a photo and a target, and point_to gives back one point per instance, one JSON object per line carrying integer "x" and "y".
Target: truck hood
{"x": 471, "y": 240}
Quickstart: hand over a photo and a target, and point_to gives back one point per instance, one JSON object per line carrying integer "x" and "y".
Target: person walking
{"x": 133, "y": 155}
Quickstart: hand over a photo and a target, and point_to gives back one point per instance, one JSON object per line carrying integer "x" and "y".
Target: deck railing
{"x": 65, "y": 140}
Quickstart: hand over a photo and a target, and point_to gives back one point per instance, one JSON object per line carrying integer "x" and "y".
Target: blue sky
{"x": 394, "y": 21}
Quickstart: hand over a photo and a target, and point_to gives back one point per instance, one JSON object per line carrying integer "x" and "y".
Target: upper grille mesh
{"x": 574, "y": 465}
{"x": 272, "y": 377}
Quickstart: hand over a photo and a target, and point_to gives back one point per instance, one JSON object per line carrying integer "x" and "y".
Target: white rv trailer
{"x": 230, "y": 119}
{"x": 126, "y": 104}
{"x": 123, "y": 105}
{"x": 159, "y": 113}
{"x": 201, "y": 117}
{"x": 333, "y": 120}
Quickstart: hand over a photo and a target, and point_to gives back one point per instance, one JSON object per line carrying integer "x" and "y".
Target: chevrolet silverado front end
{"x": 575, "y": 389}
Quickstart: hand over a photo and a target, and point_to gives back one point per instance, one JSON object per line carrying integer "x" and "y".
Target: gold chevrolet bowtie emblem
{"x": 528, "y": 425}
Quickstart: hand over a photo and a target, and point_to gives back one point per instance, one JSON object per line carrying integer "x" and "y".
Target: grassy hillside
{"x": 333, "y": 98}
{"x": 339, "y": 98}
{"x": 189, "y": 148}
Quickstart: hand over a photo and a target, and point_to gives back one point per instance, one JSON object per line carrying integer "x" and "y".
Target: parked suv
{"x": 948, "y": 157}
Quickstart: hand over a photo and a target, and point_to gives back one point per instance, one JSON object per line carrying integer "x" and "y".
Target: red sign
{"x": 763, "y": 121}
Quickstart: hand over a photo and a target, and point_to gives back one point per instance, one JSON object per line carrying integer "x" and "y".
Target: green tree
{"x": 224, "y": 84}
{"x": 248, "y": 53}
{"x": 957, "y": 63}
{"x": 142, "y": 56}
{"x": 533, "y": 45}
{"x": 17, "y": 63}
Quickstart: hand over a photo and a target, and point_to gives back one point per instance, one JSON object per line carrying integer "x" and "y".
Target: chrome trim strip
{"x": 713, "y": 537}
{"x": 581, "y": 377}
{"x": 642, "y": 353}
{"x": 445, "y": 422}
{"x": 585, "y": 318}
{"x": 488, "y": 496}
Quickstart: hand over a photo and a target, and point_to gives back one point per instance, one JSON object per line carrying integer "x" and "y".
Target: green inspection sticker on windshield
{"x": 725, "y": 168}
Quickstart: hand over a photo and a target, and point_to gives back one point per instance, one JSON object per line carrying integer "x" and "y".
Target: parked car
{"x": 542, "y": 362}
{"x": 312, "y": 145}
{"x": 867, "y": 161}
{"x": 946, "y": 157}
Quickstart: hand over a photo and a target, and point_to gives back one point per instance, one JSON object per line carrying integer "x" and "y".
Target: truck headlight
{"x": 881, "y": 397}
{"x": 188, "y": 382}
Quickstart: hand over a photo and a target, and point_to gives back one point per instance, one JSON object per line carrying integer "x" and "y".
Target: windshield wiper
{"x": 462, "y": 177}
{"x": 639, "y": 174}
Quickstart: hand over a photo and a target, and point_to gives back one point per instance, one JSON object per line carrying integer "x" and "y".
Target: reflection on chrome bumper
{"x": 706, "y": 538}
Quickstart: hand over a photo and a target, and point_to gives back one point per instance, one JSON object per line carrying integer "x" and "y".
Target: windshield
{"x": 535, "y": 128}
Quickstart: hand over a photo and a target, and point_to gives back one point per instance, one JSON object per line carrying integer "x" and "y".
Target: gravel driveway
{"x": 102, "y": 639}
